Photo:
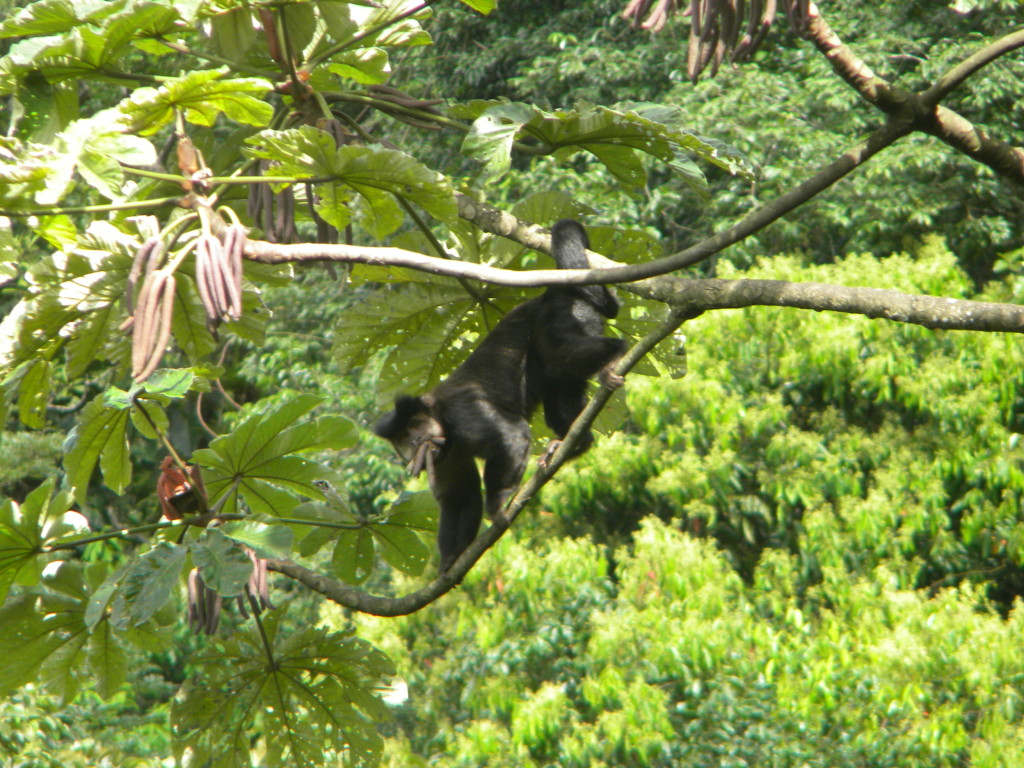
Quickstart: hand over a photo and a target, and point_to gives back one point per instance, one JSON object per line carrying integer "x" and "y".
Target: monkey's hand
{"x": 609, "y": 378}
{"x": 424, "y": 453}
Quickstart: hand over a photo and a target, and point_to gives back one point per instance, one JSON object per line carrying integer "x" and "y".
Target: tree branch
{"x": 696, "y": 296}
{"x": 689, "y": 296}
{"x": 972, "y": 64}
{"x": 853, "y": 70}
{"x": 962, "y": 135}
{"x": 498, "y": 222}
{"x": 489, "y": 219}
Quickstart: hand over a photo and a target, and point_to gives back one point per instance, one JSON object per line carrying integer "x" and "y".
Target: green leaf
{"x": 27, "y": 640}
{"x": 481, "y": 6}
{"x": 492, "y": 134}
{"x": 99, "y": 434}
{"x": 429, "y": 327}
{"x": 399, "y": 537}
{"x": 153, "y": 415}
{"x": 299, "y": 22}
{"x": 353, "y": 554}
{"x": 148, "y": 584}
{"x": 20, "y": 544}
{"x": 265, "y": 540}
{"x": 34, "y": 394}
{"x": 222, "y": 562}
{"x": 173, "y": 383}
{"x": 57, "y": 16}
{"x": 100, "y": 599}
{"x": 334, "y": 510}
{"x": 374, "y": 176}
{"x": 102, "y": 173}
{"x": 115, "y": 459}
{"x": 108, "y": 661}
{"x": 63, "y": 671}
{"x": 88, "y": 339}
{"x": 233, "y": 32}
{"x": 368, "y": 66}
{"x": 614, "y": 136}
{"x": 188, "y": 321}
{"x": 26, "y": 528}
{"x": 254, "y": 462}
{"x": 329, "y": 677}
{"x": 202, "y": 96}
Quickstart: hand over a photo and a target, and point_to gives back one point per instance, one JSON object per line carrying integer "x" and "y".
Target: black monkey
{"x": 545, "y": 349}
{"x": 482, "y": 410}
{"x": 569, "y": 345}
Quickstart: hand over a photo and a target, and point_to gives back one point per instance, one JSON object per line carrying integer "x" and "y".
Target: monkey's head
{"x": 412, "y": 428}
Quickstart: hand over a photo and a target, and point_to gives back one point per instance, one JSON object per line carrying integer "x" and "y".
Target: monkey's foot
{"x": 545, "y": 457}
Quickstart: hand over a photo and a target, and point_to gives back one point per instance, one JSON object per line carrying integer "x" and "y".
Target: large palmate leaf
{"x": 26, "y": 528}
{"x": 83, "y": 50}
{"x": 616, "y": 136}
{"x": 256, "y": 464}
{"x": 430, "y": 328}
{"x": 313, "y": 690}
{"x": 51, "y": 17}
{"x": 45, "y": 636}
{"x": 202, "y": 96}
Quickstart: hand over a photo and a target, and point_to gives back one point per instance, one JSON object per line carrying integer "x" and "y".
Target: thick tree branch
{"x": 962, "y": 135}
{"x": 487, "y": 218}
{"x": 691, "y": 297}
{"x": 696, "y": 296}
{"x": 854, "y": 70}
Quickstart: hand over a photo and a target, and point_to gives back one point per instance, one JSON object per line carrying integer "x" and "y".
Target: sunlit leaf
{"x": 99, "y": 434}
{"x": 256, "y": 462}
{"x": 148, "y": 583}
{"x": 202, "y": 95}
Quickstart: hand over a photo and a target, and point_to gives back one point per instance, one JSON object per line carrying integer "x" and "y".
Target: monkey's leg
{"x": 456, "y": 487}
{"x": 564, "y": 400}
{"x": 505, "y": 462}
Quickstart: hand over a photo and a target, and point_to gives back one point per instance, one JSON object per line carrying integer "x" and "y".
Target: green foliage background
{"x": 805, "y": 551}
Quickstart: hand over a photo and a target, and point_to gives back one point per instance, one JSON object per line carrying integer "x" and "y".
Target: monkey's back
{"x": 495, "y": 372}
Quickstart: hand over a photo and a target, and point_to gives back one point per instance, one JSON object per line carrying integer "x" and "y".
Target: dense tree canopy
{"x": 799, "y": 537}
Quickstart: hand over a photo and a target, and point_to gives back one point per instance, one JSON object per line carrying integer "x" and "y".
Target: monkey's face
{"x": 421, "y": 429}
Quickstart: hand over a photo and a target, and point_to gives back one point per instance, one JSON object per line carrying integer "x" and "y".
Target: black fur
{"x": 569, "y": 345}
